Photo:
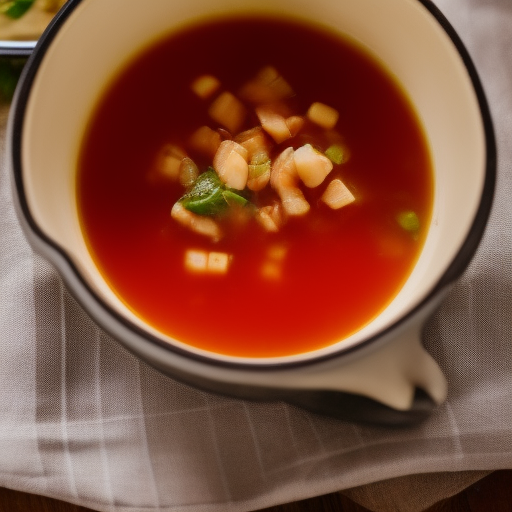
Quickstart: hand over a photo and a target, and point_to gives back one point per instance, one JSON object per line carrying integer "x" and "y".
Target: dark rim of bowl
{"x": 79, "y": 286}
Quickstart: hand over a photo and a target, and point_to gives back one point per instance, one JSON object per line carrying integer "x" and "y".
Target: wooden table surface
{"x": 491, "y": 494}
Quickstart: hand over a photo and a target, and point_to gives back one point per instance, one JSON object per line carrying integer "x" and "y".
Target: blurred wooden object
{"x": 491, "y": 494}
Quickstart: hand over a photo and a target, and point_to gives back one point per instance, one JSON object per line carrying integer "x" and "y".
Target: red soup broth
{"x": 324, "y": 275}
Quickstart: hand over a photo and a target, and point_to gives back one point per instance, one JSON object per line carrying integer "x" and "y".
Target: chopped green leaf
{"x": 206, "y": 195}
{"x": 337, "y": 154}
{"x": 15, "y": 8}
{"x": 409, "y": 221}
{"x": 234, "y": 199}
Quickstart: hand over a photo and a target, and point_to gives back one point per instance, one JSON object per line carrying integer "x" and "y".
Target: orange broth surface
{"x": 342, "y": 267}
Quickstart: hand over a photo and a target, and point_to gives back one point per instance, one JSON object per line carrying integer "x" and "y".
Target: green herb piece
{"x": 233, "y": 199}
{"x": 206, "y": 195}
{"x": 337, "y": 154}
{"x": 15, "y": 8}
{"x": 409, "y": 221}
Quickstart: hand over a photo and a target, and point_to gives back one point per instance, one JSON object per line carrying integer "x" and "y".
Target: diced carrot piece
{"x": 312, "y": 166}
{"x": 273, "y": 123}
{"x": 205, "y": 141}
{"x": 228, "y": 111}
{"x": 230, "y": 163}
{"x": 337, "y": 195}
{"x": 323, "y": 115}
{"x": 205, "y": 86}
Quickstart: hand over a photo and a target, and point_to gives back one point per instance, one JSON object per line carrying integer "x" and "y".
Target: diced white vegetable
{"x": 284, "y": 179}
{"x": 264, "y": 218}
{"x": 202, "y": 262}
{"x": 337, "y": 195}
{"x": 271, "y": 270}
{"x": 218, "y": 262}
{"x": 312, "y": 166}
{"x": 230, "y": 163}
{"x": 198, "y": 224}
{"x": 294, "y": 202}
{"x": 277, "y": 252}
{"x": 255, "y": 140}
{"x": 259, "y": 172}
{"x": 168, "y": 161}
{"x": 205, "y": 86}
{"x": 228, "y": 111}
{"x": 323, "y": 115}
{"x": 188, "y": 172}
{"x": 205, "y": 141}
{"x": 295, "y": 124}
{"x": 273, "y": 123}
{"x": 267, "y": 87}
{"x": 196, "y": 261}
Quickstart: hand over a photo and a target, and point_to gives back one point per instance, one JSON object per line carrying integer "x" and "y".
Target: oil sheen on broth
{"x": 269, "y": 282}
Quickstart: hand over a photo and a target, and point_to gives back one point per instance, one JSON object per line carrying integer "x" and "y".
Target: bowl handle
{"x": 391, "y": 373}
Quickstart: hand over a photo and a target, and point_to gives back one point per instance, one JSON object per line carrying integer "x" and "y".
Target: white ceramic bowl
{"x": 381, "y": 373}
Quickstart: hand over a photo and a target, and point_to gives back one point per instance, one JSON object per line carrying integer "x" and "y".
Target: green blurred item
{"x": 10, "y": 70}
{"x": 15, "y": 8}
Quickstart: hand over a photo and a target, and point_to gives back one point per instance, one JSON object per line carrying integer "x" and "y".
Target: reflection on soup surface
{"x": 255, "y": 187}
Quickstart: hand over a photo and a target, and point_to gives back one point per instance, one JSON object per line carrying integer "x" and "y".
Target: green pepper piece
{"x": 206, "y": 195}
{"x": 409, "y": 221}
{"x": 337, "y": 154}
{"x": 15, "y": 8}
{"x": 234, "y": 199}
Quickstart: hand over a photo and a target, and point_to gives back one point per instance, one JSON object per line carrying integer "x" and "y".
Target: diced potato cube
{"x": 259, "y": 172}
{"x": 196, "y": 223}
{"x": 205, "y": 86}
{"x": 295, "y": 124}
{"x": 312, "y": 166}
{"x": 205, "y": 141}
{"x": 255, "y": 141}
{"x": 323, "y": 115}
{"x": 228, "y": 111}
{"x": 196, "y": 261}
{"x": 230, "y": 163}
{"x": 277, "y": 252}
{"x": 273, "y": 123}
{"x": 168, "y": 161}
{"x": 271, "y": 270}
{"x": 218, "y": 262}
{"x": 265, "y": 220}
{"x": 267, "y": 87}
{"x": 337, "y": 195}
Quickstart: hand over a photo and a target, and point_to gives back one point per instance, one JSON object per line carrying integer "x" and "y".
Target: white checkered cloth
{"x": 84, "y": 421}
